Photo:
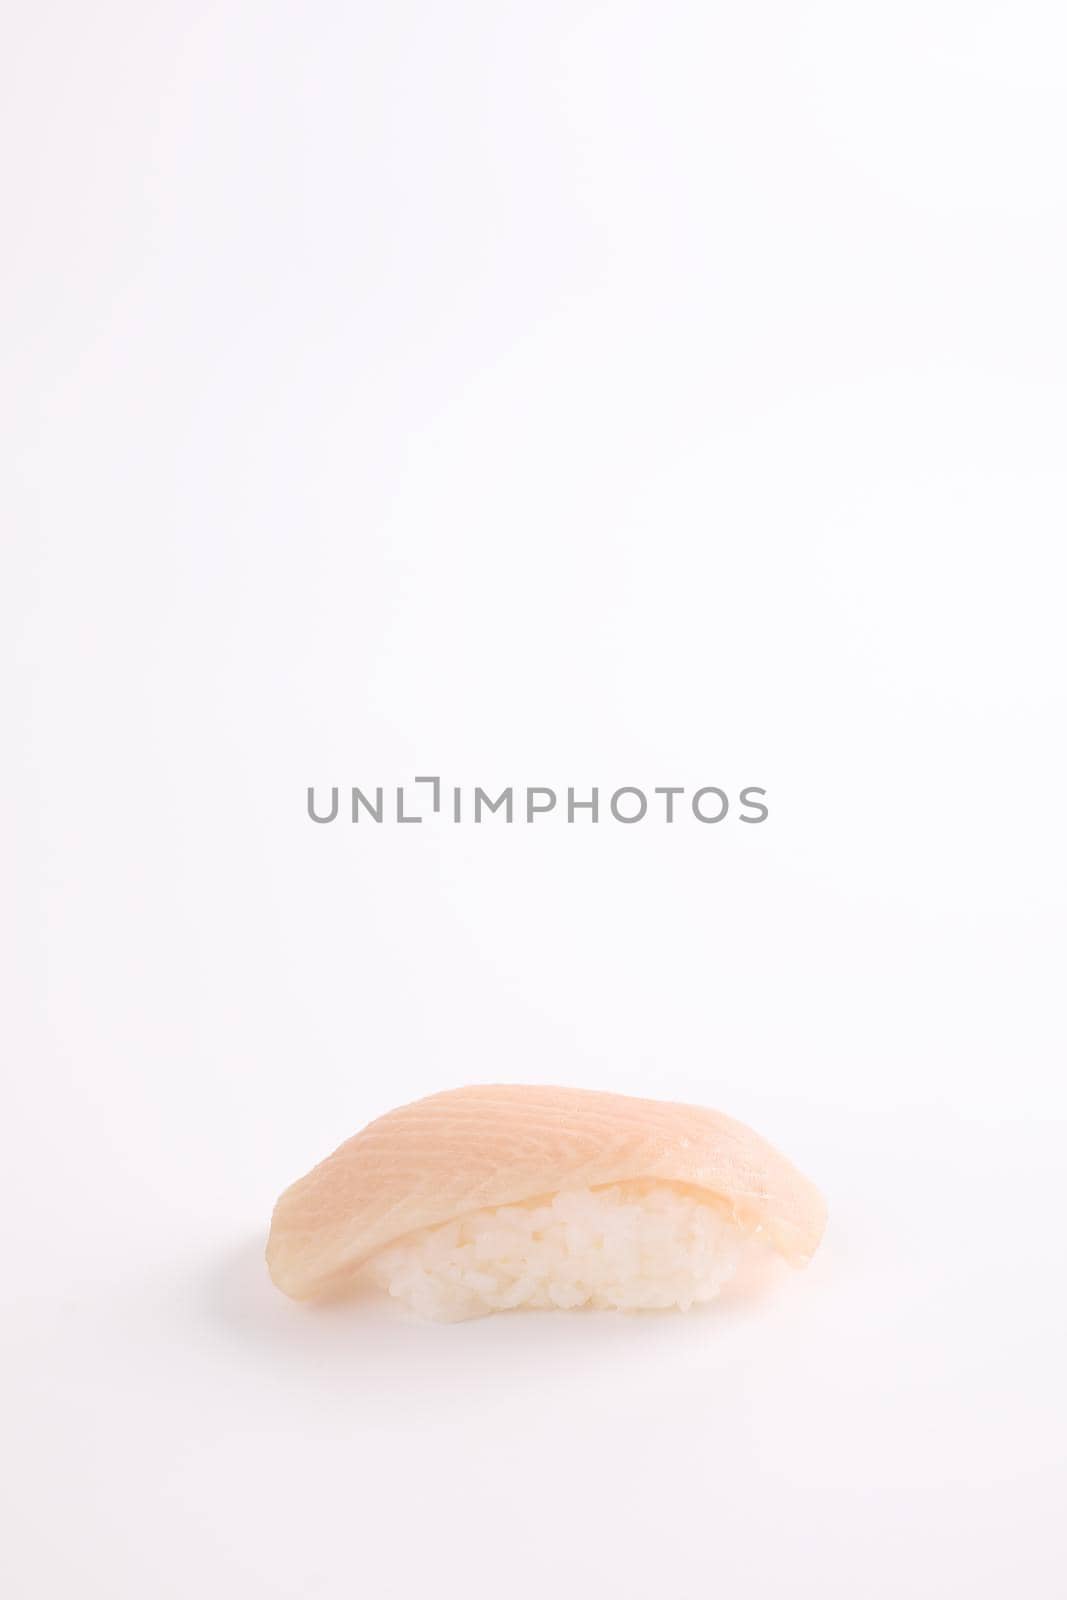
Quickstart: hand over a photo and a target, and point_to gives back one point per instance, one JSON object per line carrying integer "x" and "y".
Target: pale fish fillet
{"x": 469, "y": 1150}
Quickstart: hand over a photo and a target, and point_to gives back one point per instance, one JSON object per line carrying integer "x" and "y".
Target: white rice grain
{"x": 631, "y": 1247}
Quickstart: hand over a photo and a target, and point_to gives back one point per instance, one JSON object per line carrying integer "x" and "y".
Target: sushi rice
{"x": 634, "y": 1246}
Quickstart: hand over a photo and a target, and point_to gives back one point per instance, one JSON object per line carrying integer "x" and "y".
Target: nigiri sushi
{"x": 494, "y": 1197}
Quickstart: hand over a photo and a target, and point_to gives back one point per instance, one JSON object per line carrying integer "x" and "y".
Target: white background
{"x": 536, "y": 394}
